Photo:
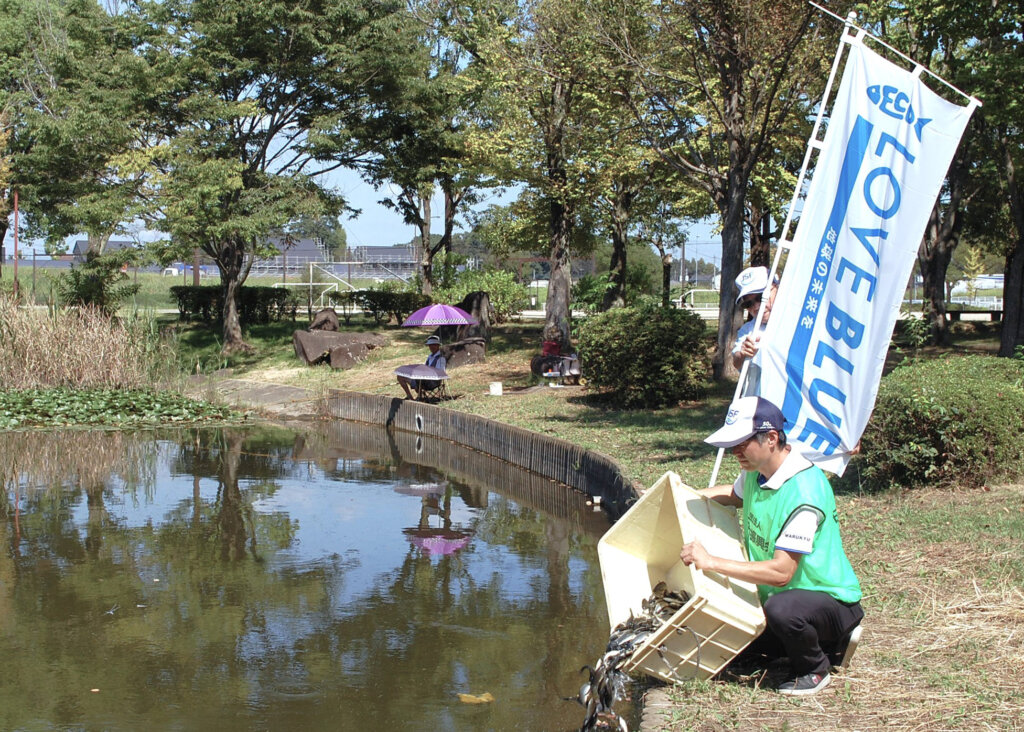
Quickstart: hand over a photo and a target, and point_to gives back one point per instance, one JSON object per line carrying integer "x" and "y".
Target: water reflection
{"x": 264, "y": 578}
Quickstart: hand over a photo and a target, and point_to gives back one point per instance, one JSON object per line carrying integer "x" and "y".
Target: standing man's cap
{"x": 433, "y": 339}
{"x": 746, "y": 417}
{"x": 751, "y": 281}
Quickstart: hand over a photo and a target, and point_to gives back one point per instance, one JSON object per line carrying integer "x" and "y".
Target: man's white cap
{"x": 751, "y": 281}
{"x": 746, "y": 417}
{"x": 433, "y": 339}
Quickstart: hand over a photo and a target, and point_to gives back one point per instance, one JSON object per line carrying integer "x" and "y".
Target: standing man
{"x": 810, "y": 594}
{"x": 434, "y": 360}
{"x": 751, "y": 285}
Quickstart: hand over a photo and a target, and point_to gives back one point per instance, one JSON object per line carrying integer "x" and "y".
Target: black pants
{"x": 804, "y": 626}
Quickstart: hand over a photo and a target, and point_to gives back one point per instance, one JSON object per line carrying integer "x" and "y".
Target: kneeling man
{"x": 810, "y": 594}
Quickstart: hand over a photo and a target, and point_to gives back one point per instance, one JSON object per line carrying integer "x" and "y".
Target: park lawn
{"x": 942, "y": 571}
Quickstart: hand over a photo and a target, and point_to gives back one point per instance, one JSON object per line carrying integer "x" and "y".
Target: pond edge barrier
{"x": 590, "y": 472}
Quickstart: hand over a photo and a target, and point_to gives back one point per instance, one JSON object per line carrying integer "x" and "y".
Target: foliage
{"x": 258, "y": 101}
{"x": 589, "y": 290}
{"x": 101, "y": 282}
{"x": 382, "y": 303}
{"x": 256, "y": 305}
{"x": 647, "y": 355}
{"x": 952, "y": 420}
{"x": 102, "y": 407}
{"x": 507, "y": 296}
{"x": 76, "y": 99}
{"x": 81, "y": 348}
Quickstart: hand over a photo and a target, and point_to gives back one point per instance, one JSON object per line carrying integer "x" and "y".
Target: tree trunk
{"x": 98, "y": 242}
{"x": 230, "y": 260}
{"x": 615, "y": 295}
{"x": 557, "y": 312}
{"x": 933, "y": 256}
{"x": 761, "y": 234}
{"x": 452, "y": 198}
{"x": 426, "y": 252}
{"x": 732, "y": 209}
{"x": 1013, "y": 274}
{"x": 666, "y": 279}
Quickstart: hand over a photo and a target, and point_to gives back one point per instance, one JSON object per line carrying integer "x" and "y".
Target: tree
{"x": 721, "y": 79}
{"x": 260, "y": 100}
{"x": 544, "y": 126}
{"x": 78, "y": 101}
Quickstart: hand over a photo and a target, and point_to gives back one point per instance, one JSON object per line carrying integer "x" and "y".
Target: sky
{"x": 377, "y": 225}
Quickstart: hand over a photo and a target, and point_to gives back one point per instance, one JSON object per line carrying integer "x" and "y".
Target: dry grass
{"x": 42, "y": 348}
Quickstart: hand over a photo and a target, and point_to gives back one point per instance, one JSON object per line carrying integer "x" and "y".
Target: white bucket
{"x": 495, "y": 388}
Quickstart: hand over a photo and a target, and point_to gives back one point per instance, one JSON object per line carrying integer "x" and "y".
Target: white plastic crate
{"x": 722, "y": 615}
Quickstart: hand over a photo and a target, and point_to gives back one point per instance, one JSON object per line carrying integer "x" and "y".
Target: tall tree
{"x": 421, "y": 147}
{"x": 545, "y": 126}
{"x": 721, "y": 79}
{"x": 261, "y": 100}
{"x": 78, "y": 113}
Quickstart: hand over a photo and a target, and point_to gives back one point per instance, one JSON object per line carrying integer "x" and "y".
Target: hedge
{"x": 256, "y": 305}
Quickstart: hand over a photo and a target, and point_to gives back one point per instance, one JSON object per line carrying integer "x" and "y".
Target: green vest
{"x": 765, "y": 513}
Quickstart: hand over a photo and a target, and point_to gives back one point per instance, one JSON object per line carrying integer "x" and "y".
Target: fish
{"x": 895, "y": 103}
{"x": 606, "y": 682}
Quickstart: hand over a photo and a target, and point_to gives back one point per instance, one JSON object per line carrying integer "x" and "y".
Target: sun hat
{"x": 746, "y": 417}
{"x": 751, "y": 281}
{"x": 433, "y": 339}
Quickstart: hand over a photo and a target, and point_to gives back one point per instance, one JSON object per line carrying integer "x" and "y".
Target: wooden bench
{"x": 994, "y": 315}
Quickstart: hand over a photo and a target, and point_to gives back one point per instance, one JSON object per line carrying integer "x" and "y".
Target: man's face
{"x": 433, "y": 347}
{"x": 753, "y": 303}
{"x": 751, "y": 454}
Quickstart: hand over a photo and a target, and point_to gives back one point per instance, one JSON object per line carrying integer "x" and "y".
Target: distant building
{"x": 81, "y": 248}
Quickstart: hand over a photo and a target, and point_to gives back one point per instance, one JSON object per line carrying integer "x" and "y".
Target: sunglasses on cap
{"x": 749, "y": 302}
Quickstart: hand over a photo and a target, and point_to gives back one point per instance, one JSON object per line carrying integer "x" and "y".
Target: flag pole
{"x": 813, "y": 145}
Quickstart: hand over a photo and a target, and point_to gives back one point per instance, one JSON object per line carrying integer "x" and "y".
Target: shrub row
{"x": 951, "y": 420}
{"x": 646, "y": 355}
{"x": 382, "y": 305}
{"x": 256, "y": 305}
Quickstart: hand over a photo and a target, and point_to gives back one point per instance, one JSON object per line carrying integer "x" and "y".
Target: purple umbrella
{"x": 438, "y": 541}
{"x": 438, "y": 314}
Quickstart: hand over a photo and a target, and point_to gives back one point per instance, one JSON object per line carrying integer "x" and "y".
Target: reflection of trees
{"x": 185, "y": 619}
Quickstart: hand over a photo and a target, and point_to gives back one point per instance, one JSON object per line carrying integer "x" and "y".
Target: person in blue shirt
{"x": 434, "y": 360}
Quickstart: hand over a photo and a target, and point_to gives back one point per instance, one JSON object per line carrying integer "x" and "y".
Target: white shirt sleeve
{"x": 798, "y": 533}
{"x": 737, "y": 487}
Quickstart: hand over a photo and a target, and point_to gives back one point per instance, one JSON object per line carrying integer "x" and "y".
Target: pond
{"x": 332, "y": 577}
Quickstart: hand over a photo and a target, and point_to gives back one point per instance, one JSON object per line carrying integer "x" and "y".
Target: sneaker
{"x": 805, "y": 685}
{"x": 844, "y": 652}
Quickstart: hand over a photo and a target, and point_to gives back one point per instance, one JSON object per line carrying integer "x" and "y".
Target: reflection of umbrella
{"x": 420, "y": 371}
{"x": 421, "y": 489}
{"x": 438, "y": 541}
{"x": 439, "y": 314}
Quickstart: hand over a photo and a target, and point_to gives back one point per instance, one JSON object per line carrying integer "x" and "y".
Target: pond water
{"x": 335, "y": 577}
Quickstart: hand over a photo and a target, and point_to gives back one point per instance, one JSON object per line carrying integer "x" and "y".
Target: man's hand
{"x": 748, "y": 348}
{"x": 694, "y": 553}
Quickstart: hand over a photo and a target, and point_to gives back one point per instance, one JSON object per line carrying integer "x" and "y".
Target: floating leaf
{"x": 485, "y": 698}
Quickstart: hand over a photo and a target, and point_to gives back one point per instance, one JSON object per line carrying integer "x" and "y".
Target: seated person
{"x": 434, "y": 360}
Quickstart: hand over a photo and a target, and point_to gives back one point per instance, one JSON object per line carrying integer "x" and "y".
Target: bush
{"x": 256, "y": 305}
{"x": 506, "y": 295}
{"x": 647, "y": 355}
{"x": 99, "y": 282}
{"x": 382, "y": 303}
{"x": 951, "y": 420}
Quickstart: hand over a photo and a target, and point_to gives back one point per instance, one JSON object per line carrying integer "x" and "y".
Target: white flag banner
{"x": 889, "y": 142}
